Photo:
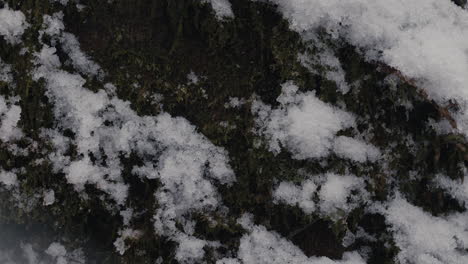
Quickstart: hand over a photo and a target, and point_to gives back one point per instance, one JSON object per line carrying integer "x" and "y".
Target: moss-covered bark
{"x": 148, "y": 47}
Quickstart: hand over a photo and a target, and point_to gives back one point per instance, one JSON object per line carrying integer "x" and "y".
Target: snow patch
{"x": 10, "y": 115}
{"x": 222, "y": 8}
{"x": 292, "y": 194}
{"x": 424, "y": 39}
{"x": 303, "y": 123}
{"x": 261, "y": 246}
{"x": 356, "y": 150}
{"x": 12, "y": 24}
{"x": 423, "y": 238}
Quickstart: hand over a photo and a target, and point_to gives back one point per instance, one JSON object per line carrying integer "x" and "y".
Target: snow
{"x": 49, "y": 197}
{"x": 5, "y": 72}
{"x": 307, "y": 127}
{"x": 58, "y": 252}
{"x": 222, "y": 8}
{"x": 8, "y": 179}
{"x": 425, "y": 239}
{"x": 303, "y": 124}
{"x": 52, "y": 25}
{"x": 29, "y": 253}
{"x": 124, "y": 234}
{"x": 186, "y": 163}
{"x": 356, "y": 150}
{"x": 333, "y": 191}
{"x": 10, "y": 115}
{"x": 301, "y": 196}
{"x": 12, "y": 24}
{"x": 79, "y": 60}
{"x": 458, "y": 189}
{"x": 262, "y": 246}
{"x": 325, "y": 60}
{"x": 63, "y": 2}
{"x": 424, "y": 39}
{"x": 235, "y": 102}
{"x": 192, "y": 78}
{"x": 190, "y": 249}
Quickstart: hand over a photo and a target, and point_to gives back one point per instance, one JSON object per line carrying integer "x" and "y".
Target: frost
{"x": 222, "y": 8}
{"x": 303, "y": 124}
{"x": 356, "y": 150}
{"x": 12, "y": 24}
{"x": 425, "y": 239}
{"x": 8, "y": 178}
{"x": 268, "y": 247}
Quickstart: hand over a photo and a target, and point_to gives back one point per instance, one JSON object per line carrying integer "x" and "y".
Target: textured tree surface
{"x": 149, "y": 47}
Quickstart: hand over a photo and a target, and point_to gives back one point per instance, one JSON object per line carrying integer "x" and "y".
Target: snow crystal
{"x": 356, "y": 150}
{"x": 425, "y": 239}
{"x": 12, "y": 24}
{"x": 263, "y": 246}
{"x": 222, "y": 8}
{"x": 303, "y": 124}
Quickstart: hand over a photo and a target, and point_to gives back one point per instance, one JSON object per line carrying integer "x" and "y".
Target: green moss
{"x": 149, "y": 47}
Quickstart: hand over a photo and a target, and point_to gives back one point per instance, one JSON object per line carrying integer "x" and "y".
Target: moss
{"x": 148, "y": 47}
